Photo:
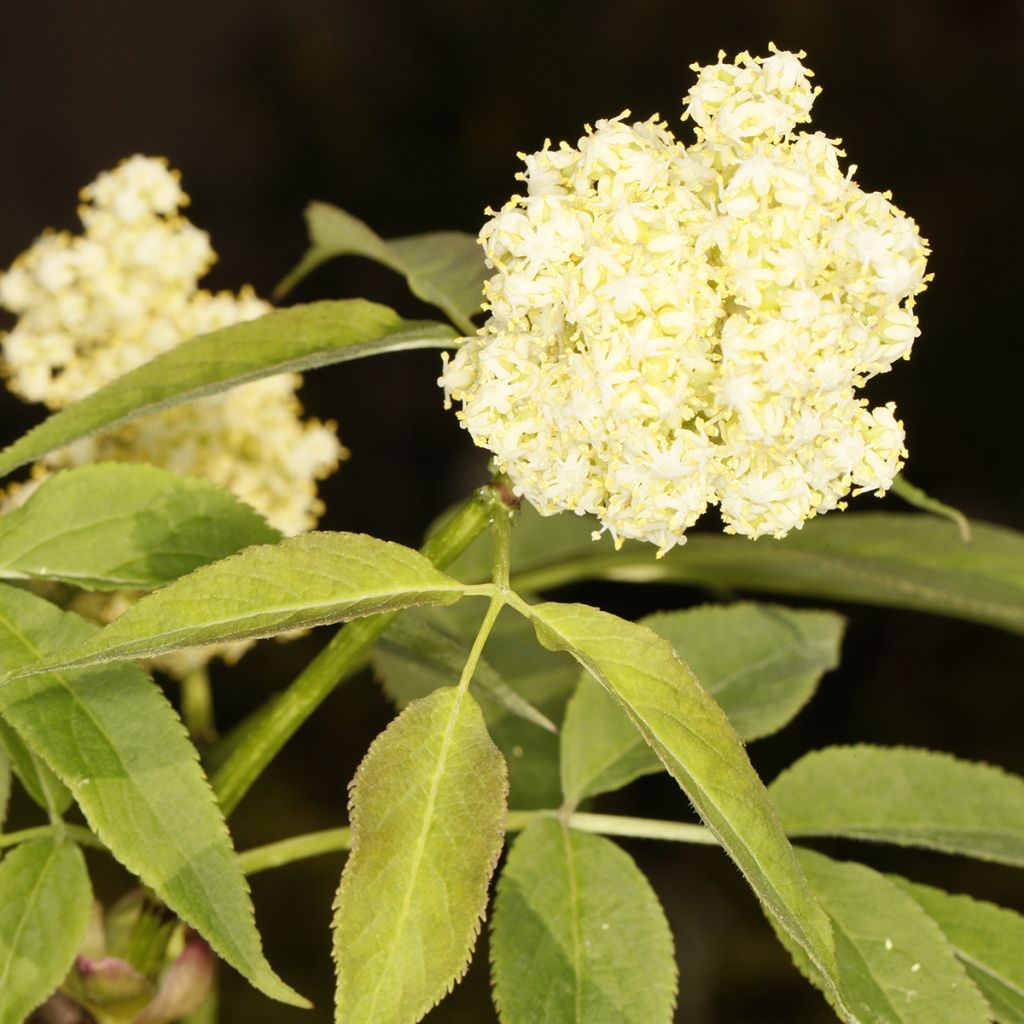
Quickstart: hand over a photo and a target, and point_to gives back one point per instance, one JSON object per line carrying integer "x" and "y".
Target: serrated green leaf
{"x": 110, "y": 525}
{"x": 760, "y": 662}
{"x": 988, "y": 940}
{"x": 543, "y": 678}
{"x": 444, "y": 268}
{"x": 310, "y": 580}
{"x": 45, "y": 898}
{"x": 899, "y": 560}
{"x": 428, "y": 820}
{"x": 904, "y": 796}
{"x": 115, "y": 741}
{"x": 578, "y": 935}
{"x": 296, "y": 339}
{"x": 894, "y": 961}
{"x": 39, "y": 782}
{"x": 694, "y": 740}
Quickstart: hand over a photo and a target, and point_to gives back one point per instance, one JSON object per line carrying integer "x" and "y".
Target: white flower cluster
{"x": 673, "y": 327}
{"x": 93, "y": 306}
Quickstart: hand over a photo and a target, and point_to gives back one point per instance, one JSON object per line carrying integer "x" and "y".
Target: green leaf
{"x": 602, "y": 750}
{"x": 541, "y": 677}
{"x": 904, "y": 796}
{"x": 286, "y": 340}
{"x": 988, "y": 940}
{"x": 913, "y": 495}
{"x": 578, "y": 935}
{"x": 900, "y": 560}
{"x": 39, "y": 782}
{"x": 896, "y": 965}
{"x": 5, "y": 785}
{"x": 113, "y": 738}
{"x": 45, "y": 896}
{"x": 309, "y": 580}
{"x": 111, "y": 525}
{"x": 760, "y": 662}
{"x": 694, "y": 740}
{"x": 428, "y": 821}
{"x": 444, "y": 268}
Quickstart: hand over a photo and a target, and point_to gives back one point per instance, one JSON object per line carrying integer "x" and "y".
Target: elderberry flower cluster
{"x": 94, "y": 306}
{"x": 673, "y": 327}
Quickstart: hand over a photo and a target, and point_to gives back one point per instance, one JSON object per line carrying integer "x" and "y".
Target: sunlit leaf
{"x": 544, "y": 678}
{"x": 760, "y": 662}
{"x": 44, "y": 908}
{"x": 111, "y": 525}
{"x": 694, "y": 740}
{"x": 300, "y": 338}
{"x": 578, "y": 935}
{"x": 904, "y": 796}
{"x": 444, "y": 268}
{"x": 428, "y": 820}
{"x": 894, "y": 961}
{"x": 114, "y": 740}
{"x": 309, "y": 580}
{"x": 989, "y": 941}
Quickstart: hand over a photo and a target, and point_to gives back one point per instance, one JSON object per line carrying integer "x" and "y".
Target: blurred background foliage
{"x": 409, "y": 115}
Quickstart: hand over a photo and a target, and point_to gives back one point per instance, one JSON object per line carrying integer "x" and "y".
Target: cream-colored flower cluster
{"x": 93, "y": 306}
{"x": 673, "y": 327}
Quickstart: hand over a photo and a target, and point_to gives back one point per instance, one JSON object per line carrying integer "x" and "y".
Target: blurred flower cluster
{"x": 94, "y": 306}
{"x": 673, "y": 327}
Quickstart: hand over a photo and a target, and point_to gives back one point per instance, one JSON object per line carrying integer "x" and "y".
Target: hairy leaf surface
{"x": 309, "y": 580}
{"x": 295, "y": 339}
{"x": 543, "y": 678}
{"x": 444, "y": 268}
{"x": 44, "y": 908}
{"x": 428, "y": 820}
{"x": 760, "y": 662}
{"x": 578, "y": 935}
{"x": 895, "y": 963}
{"x": 110, "y": 525}
{"x": 904, "y": 796}
{"x": 694, "y": 740}
{"x": 114, "y": 740}
{"x": 988, "y": 940}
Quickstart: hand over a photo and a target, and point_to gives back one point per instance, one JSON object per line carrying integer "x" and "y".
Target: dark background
{"x": 410, "y": 115}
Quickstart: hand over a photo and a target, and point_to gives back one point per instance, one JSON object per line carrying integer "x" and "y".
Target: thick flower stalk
{"x": 673, "y": 327}
{"x": 94, "y": 306}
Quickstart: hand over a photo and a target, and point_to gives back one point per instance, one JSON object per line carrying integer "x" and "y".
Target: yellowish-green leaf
{"x": 444, "y": 268}
{"x": 904, "y": 796}
{"x": 111, "y": 525}
{"x": 694, "y": 740}
{"x": 44, "y": 908}
{"x": 309, "y": 580}
{"x": 988, "y": 940}
{"x": 513, "y": 656}
{"x": 760, "y": 662}
{"x": 39, "y": 782}
{"x": 894, "y": 961}
{"x": 901, "y": 560}
{"x": 578, "y": 935}
{"x": 114, "y": 740}
{"x": 428, "y": 820}
{"x": 296, "y": 339}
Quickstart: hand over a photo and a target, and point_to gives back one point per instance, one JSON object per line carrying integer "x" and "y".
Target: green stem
{"x": 80, "y": 835}
{"x": 337, "y": 840}
{"x": 344, "y": 655}
{"x": 197, "y": 705}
